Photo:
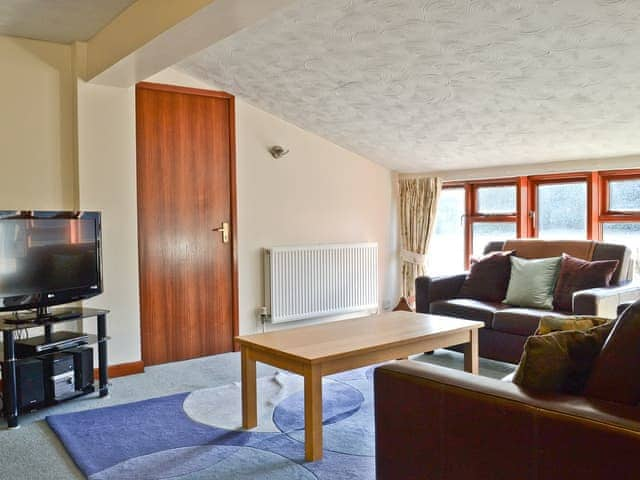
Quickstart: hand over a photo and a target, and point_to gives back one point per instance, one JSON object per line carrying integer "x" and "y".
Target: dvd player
{"x": 58, "y": 341}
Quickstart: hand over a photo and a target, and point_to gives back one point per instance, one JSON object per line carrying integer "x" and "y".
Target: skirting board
{"x": 118, "y": 370}
{"x": 123, "y": 369}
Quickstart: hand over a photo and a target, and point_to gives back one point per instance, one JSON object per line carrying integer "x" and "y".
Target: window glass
{"x": 562, "y": 211}
{"x": 485, "y": 232}
{"x": 446, "y": 248}
{"x": 496, "y": 200}
{"x": 625, "y": 234}
{"x": 624, "y": 195}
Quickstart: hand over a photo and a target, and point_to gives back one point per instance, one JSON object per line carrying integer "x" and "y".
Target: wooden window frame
{"x": 563, "y": 178}
{"x": 472, "y": 215}
{"x": 598, "y": 212}
{"x": 607, "y": 215}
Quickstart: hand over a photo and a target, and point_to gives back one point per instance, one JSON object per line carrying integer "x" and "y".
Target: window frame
{"x": 617, "y": 216}
{"x": 472, "y": 214}
{"x": 526, "y": 214}
{"x": 536, "y": 181}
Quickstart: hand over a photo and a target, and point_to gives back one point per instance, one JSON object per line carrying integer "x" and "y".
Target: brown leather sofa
{"x": 438, "y": 423}
{"x": 507, "y": 328}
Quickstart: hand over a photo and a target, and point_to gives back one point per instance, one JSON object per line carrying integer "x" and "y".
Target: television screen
{"x": 48, "y": 258}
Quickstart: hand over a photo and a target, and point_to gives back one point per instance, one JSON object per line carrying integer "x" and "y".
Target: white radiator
{"x": 317, "y": 281}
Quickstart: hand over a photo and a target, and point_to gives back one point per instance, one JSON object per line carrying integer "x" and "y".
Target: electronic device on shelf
{"x": 57, "y": 341}
{"x": 30, "y": 380}
{"x": 59, "y": 378}
{"x": 82, "y": 366}
{"x": 48, "y": 258}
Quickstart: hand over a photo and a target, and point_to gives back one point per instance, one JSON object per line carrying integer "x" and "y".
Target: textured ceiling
{"x": 62, "y": 21}
{"x": 430, "y": 85}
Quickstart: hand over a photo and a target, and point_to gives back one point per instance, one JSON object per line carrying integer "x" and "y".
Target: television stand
{"x": 48, "y": 320}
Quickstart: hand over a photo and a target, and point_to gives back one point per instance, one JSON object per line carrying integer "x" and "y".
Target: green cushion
{"x": 560, "y": 361}
{"x": 576, "y": 322}
{"x": 532, "y": 282}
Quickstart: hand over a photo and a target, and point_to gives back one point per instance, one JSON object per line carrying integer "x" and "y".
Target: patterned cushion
{"x": 560, "y": 361}
{"x": 550, "y": 323}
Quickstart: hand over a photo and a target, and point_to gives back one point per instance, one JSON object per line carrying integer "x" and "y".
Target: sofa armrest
{"x": 435, "y": 422}
{"x": 430, "y": 289}
{"x": 603, "y": 302}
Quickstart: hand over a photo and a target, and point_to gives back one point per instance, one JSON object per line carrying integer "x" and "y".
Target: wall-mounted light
{"x": 277, "y": 151}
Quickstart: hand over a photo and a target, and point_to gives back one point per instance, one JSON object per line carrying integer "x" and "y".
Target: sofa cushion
{"x": 560, "y": 361}
{"x": 616, "y": 373}
{"x": 467, "y": 308}
{"x": 550, "y": 323}
{"x": 532, "y": 282}
{"x": 520, "y": 321}
{"x": 488, "y": 278}
{"x": 576, "y": 274}
{"x": 622, "y": 253}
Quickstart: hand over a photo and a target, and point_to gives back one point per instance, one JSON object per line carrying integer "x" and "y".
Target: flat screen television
{"x": 48, "y": 258}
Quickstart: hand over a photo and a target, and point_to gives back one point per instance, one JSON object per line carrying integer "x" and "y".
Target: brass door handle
{"x": 224, "y": 228}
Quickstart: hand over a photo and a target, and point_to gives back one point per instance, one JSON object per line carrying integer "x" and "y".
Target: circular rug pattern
{"x": 346, "y": 412}
{"x": 222, "y": 406}
{"x": 207, "y": 462}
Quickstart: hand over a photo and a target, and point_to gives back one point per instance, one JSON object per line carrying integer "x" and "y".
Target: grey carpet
{"x": 34, "y": 452}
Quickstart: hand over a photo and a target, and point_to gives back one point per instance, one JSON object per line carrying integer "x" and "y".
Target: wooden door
{"x": 186, "y": 189}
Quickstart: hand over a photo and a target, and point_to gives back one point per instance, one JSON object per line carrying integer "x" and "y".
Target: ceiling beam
{"x": 152, "y": 35}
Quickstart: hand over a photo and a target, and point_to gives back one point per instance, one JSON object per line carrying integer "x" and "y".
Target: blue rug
{"x": 197, "y": 435}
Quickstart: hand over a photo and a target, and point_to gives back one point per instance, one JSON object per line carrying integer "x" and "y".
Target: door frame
{"x": 232, "y": 189}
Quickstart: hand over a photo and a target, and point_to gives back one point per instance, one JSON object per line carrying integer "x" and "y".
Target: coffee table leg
{"x": 313, "y": 413}
{"x": 471, "y": 352}
{"x": 249, "y": 399}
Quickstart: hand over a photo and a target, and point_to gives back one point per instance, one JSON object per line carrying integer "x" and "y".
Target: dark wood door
{"x": 186, "y": 178}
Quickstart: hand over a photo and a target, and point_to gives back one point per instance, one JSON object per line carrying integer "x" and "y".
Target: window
{"x": 625, "y": 234}
{"x": 485, "y": 232}
{"x": 497, "y": 200}
{"x": 624, "y": 195}
{"x": 446, "y": 248}
{"x": 620, "y": 212}
{"x": 561, "y": 210}
{"x": 586, "y": 205}
{"x": 493, "y": 215}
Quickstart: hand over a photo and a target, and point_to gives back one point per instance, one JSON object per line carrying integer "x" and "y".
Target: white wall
{"x": 319, "y": 193}
{"x": 36, "y": 125}
{"x": 107, "y": 177}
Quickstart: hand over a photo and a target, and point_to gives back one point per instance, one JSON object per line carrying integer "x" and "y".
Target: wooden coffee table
{"x": 319, "y": 350}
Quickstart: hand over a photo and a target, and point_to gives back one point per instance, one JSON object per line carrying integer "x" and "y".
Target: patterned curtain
{"x": 418, "y": 200}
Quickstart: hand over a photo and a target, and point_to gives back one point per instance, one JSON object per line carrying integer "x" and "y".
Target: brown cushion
{"x": 616, "y": 373}
{"x": 520, "y": 321}
{"x": 550, "y": 323}
{"x": 576, "y": 274}
{"x": 488, "y": 278}
{"x": 560, "y": 361}
{"x": 466, "y": 308}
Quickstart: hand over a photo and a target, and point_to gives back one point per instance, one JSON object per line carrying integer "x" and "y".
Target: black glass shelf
{"x": 22, "y": 320}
